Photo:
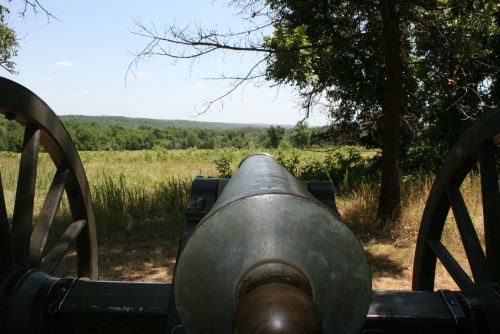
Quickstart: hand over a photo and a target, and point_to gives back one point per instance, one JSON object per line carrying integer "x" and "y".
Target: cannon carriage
{"x": 260, "y": 252}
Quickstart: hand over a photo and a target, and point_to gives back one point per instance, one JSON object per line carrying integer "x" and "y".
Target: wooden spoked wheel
{"x": 23, "y": 244}
{"x": 479, "y": 143}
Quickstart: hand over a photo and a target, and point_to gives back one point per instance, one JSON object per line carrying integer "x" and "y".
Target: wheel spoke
{"x": 56, "y": 254}
{"x": 25, "y": 194}
{"x": 5, "y": 252}
{"x": 452, "y": 266}
{"x": 46, "y": 217}
{"x": 491, "y": 208}
{"x": 472, "y": 246}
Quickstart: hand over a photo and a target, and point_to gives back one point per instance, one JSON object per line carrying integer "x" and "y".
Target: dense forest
{"x": 110, "y": 134}
{"x": 158, "y": 123}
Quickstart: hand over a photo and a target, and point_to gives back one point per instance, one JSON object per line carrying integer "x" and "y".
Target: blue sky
{"x": 77, "y": 64}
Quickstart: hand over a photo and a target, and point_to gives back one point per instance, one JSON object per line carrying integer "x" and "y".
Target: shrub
{"x": 348, "y": 169}
{"x": 290, "y": 159}
{"x": 147, "y": 156}
{"x": 222, "y": 160}
{"x": 161, "y": 153}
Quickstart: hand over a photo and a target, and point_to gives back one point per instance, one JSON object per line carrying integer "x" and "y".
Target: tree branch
{"x": 34, "y": 5}
{"x": 185, "y": 44}
{"x": 240, "y": 81}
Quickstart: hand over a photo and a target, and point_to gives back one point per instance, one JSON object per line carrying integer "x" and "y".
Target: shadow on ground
{"x": 381, "y": 265}
{"x": 144, "y": 253}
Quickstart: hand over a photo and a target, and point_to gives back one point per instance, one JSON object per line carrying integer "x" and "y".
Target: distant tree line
{"x": 155, "y": 123}
{"x": 93, "y": 136}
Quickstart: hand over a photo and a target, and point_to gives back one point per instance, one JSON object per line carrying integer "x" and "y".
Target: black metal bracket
{"x": 205, "y": 191}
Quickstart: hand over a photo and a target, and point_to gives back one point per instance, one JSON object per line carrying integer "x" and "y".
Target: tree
{"x": 362, "y": 57}
{"x": 457, "y": 64}
{"x": 302, "y": 135}
{"x": 358, "y": 69}
{"x": 9, "y": 45}
{"x": 275, "y": 135}
{"x": 8, "y": 42}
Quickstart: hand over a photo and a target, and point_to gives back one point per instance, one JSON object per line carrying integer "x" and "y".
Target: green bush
{"x": 161, "y": 153}
{"x": 223, "y": 159}
{"x": 290, "y": 159}
{"x": 348, "y": 168}
{"x": 147, "y": 156}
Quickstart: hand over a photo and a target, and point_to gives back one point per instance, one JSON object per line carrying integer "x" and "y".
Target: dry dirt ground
{"x": 150, "y": 257}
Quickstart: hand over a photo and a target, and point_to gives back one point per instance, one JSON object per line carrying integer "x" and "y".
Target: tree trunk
{"x": 389, "y": 206}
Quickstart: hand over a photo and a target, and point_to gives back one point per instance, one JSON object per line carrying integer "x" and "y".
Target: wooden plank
{"x": 56, "y": 254}
{"x": 46, "y": 217}
{"x": 25, "y": 194}
{"x": 472, "y": 246}
{"x": 6, "y": 263}
{"x": 452, "y": 266}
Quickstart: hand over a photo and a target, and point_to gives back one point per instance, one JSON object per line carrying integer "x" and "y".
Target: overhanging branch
{"x": 185, "y": 44}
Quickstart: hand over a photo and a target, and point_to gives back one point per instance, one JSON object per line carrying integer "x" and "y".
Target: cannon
{"x": 259, "y": 253}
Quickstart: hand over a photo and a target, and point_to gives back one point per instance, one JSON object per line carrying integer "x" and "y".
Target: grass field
{"x": 139, "y": 199}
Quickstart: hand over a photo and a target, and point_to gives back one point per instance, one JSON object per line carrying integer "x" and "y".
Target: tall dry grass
{"x": 127, "y": 188}
{"x": 392, "y": 246}
{"x": 359, "y": 209}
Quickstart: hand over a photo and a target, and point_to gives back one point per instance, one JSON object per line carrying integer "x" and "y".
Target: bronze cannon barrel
{"x": 270, "y": 258}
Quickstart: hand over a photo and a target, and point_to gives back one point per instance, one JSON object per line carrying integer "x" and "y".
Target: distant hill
{"x": 160, "y": 123}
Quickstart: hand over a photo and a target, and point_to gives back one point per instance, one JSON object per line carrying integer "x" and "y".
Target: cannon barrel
{"x": 270, "y": 258}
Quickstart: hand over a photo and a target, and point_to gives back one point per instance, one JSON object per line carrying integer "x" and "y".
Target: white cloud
{"x": 80, "y": 93}
{"x": 144, "y": 75}
{"x": 199, "y": 85}
{"x": 64, "y": 63}
{"x": 47, "y": 79}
